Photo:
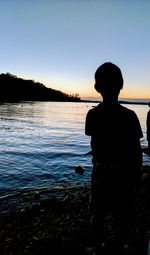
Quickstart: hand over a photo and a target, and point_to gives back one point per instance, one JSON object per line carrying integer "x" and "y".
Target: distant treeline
{"x": 14, "y": 89}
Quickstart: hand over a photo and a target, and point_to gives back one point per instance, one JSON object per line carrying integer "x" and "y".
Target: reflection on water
{"x": 42, "y": 143}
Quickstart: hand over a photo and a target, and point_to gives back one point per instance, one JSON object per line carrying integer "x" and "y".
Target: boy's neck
{"x": 110, "y": 102}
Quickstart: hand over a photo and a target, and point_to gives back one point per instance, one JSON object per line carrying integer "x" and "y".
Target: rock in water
{"x": 146, "y": 151}
{"x": 36, "y": 195}
{"x": 79, "y": 170}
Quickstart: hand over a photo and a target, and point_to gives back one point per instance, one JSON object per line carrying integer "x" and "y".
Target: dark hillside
{"x": 13, "y": 89}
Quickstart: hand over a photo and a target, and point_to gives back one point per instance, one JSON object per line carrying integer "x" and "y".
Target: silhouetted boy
{"x": 117, "y": 157}
{"x": 148, "y": 127}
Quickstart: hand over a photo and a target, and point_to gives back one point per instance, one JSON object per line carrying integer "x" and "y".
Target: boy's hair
{"x": 149, "y": 103}
{"x": 107, "y": 76}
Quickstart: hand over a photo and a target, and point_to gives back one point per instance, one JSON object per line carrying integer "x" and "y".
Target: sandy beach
{"x": 60, "y": 223}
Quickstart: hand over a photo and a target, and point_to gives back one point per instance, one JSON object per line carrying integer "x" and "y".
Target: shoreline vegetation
{"x": 15, "y": 89}
{"x": 59, "y": 223}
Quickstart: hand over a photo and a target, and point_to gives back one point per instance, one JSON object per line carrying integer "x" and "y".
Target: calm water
{"x": 41, "y": 143}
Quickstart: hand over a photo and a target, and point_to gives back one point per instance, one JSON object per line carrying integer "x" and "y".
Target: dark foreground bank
{"x": 60, "y": 223}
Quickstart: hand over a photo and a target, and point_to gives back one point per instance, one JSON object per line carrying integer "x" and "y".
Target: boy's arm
{"x": 88, "y": 124}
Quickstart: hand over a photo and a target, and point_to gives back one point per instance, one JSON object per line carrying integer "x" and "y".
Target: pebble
{"x": 79, "y": 170}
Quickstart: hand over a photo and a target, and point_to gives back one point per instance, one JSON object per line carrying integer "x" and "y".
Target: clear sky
{"x": 62, "y": 42}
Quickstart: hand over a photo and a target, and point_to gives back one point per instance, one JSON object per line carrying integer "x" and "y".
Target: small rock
{"x": 36, "y": 195}
{"x": 35, "y": 238}
{"x": 9, "y": 225}
{"x": 79, "y": 170}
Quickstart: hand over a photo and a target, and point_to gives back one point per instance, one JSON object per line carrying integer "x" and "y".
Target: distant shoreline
{"x": 78, "y": 101}
{"x": 120, "y": 101}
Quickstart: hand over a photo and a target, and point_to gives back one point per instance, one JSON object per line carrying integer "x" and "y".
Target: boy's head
{"x": 108, "y": 78}
{"x": 149, "y": 104}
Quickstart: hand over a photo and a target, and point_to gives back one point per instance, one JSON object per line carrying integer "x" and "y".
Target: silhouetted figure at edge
{"x": 148, "y": 128}
{"x": 117, "y": 158}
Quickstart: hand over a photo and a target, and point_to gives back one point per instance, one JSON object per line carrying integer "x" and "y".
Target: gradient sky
{"x": 62, "y": 42}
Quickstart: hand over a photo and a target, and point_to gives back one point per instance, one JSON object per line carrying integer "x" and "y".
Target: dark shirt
{"x": 115, "y": 135}
{"x": 148, "y": 126}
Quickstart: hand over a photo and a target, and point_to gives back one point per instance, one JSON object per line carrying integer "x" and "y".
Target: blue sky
{"x": 62, "y": 42}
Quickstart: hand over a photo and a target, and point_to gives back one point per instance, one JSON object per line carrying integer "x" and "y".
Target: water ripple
{"x": 42, "y": 143}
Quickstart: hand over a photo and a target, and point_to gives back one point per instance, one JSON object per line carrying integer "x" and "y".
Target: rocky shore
{"x": 59, "y": 224}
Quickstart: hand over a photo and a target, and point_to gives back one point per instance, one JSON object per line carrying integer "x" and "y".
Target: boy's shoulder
{"x": 120, "y": 109}
{"x": 95, "y": 110}
{"x": 126, "y": 110}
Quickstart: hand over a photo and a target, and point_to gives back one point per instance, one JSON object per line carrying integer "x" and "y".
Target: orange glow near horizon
{"x": 127, "y": 92}
{"x": 134, "y": 93}
{"x": 123, "y": 94}
{"x": 85, "y": 89}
